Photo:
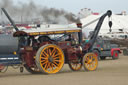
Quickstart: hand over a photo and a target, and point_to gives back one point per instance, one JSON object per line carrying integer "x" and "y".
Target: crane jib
{"x": 98, "y": 27}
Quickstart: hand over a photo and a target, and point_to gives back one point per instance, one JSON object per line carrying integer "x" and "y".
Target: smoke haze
{"x": 31, "y": 13}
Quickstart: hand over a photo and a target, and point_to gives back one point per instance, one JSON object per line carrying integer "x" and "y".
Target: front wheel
{"x": 115, "y": 55}
{"x": 97, "y": 53}
{"x": 90, "y": 62}
{"x": 125, "y": 52}
{"x": 102, "y": 57}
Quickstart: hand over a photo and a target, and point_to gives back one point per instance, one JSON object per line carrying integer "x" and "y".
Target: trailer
{"x": 47, "y": 50}
{"x": 123, "y": 44}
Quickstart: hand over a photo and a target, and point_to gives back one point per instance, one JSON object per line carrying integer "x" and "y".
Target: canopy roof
{"x": 46, "y": 31}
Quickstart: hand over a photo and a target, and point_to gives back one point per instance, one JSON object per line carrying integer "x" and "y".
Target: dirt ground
{"x": 109, "y": 72}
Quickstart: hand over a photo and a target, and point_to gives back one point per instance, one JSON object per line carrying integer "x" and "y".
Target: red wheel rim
{"x": 116, "y": 54}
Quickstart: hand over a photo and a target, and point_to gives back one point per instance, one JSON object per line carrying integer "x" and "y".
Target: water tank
{"x": 8, "y": 44}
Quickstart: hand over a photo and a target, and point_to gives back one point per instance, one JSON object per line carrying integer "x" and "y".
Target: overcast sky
{"x": 75, "y": 5}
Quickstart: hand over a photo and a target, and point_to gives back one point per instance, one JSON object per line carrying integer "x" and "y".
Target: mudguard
{"x": 115, "y": 49}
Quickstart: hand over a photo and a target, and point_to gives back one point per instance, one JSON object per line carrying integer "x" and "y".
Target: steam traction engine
{"x": 47, "y": 49}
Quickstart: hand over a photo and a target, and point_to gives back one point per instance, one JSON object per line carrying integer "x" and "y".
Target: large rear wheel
{"x": 50, "y": 59}
{"x": 90, "y": 62}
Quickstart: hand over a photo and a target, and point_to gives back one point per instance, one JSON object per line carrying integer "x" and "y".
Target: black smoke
{"x": 33, "y": 13}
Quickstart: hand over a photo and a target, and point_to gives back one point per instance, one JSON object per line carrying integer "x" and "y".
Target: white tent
{"x": 119, "y": 22}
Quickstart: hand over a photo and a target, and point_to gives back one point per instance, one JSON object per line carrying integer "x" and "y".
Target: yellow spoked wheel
{"x": 75, "y": 65}
{"x": 90, "y": 62}
{"x": 50, "y": 59}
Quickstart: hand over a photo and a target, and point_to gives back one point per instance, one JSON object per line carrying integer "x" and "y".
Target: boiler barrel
{"x": 8, "y": 44}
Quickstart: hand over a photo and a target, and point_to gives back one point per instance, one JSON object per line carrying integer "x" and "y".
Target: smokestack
{"x": 79, "y": 25}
